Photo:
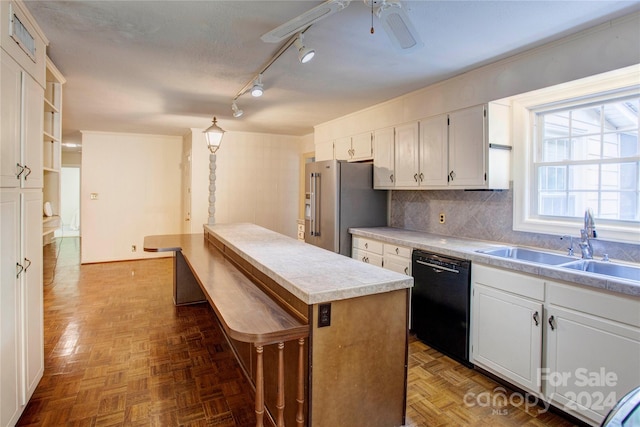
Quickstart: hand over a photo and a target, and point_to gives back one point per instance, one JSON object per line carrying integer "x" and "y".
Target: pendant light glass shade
{"x": 213, "y": 134}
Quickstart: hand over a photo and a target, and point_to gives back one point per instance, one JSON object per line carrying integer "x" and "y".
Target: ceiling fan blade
{"x": 399, "y": 28}
{"x": 301, "y": 22}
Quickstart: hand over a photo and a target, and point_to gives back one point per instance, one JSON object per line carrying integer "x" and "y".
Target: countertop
{"x": 466, "y": 248}
{"x": 312, "y": 274}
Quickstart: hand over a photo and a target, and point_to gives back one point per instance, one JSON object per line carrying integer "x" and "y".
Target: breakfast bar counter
{"x": 355, "y": 316}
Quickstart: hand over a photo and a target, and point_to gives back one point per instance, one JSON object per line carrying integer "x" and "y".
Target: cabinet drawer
{"x": 368, "y": 257}
{"x": 397, "y": 264}
{"x": 516, "y": 283}
{"x": 395, "y": 250}
{"x": 624, "y": 309}
{"x": 368, "y": 245}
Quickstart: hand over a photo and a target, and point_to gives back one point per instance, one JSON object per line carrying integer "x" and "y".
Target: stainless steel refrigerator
{"x": 340, "y": 195}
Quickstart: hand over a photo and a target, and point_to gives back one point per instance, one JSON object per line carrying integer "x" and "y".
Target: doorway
{"x": 69, "y": 202}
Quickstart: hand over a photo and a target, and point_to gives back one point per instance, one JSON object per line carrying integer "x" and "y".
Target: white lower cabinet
{"x": 21, "y": 322}
{"x": 577, "y": 348}
{"x": 592, "y": 350}
{"x": 397, "y": 258}
{"x": 507, "y": 326}
{"x": 367, "y": 250}
{"x": 386, "y": 255}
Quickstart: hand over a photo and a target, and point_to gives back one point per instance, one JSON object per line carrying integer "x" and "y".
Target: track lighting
{"x": 257, "y": 89}
{"x": 236, "y": 111}
{"x": 305, "y": 54}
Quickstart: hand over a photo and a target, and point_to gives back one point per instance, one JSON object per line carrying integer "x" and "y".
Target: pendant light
{"x": 213, "y": 135}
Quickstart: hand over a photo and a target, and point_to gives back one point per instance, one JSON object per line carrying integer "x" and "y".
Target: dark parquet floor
{"x": 119, "y": 353}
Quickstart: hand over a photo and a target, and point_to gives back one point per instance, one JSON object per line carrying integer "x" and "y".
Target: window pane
{"x": 556, "y": 125}
{"x": 584, "y": 177}
{"x": 621, "y": 115}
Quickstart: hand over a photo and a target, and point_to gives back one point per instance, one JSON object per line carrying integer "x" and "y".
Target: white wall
{"x": 607, "y": 47}
{"x": 69, "y": 199}
{"x": 257, "y": 180}
{"x": 137, "y": 180}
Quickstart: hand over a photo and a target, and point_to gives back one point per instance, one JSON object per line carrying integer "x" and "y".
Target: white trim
{"x": 522, "y": 106}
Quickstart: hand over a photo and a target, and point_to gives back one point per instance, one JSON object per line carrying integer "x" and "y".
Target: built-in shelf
{"x": 52, "y": 150}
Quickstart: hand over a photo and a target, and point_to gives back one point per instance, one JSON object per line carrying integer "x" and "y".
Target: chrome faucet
{"x": 570, "y": 248}
{"x": 587, "y": 233}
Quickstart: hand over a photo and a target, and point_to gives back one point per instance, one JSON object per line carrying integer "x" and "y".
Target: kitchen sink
{"x": 524, "y": 254}
{"x": 607, "y": 268}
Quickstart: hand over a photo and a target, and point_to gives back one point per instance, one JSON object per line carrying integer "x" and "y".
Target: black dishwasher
{"x": 440, "y": 303}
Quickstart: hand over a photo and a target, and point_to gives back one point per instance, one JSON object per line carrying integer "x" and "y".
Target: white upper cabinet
{"x": 383, "y": 158}
{"x": 464, "y": 149}
{"x": 354, "y": 148}
{"x": 467, "y": 148}
{"x": 434, "y": 164}
{"x": 21, "y": 126}
{"x": 407, "y": 162}
{"x": 23, "y": 40}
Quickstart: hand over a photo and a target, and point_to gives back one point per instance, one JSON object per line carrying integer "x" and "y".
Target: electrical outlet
{"x": 442, "y": 218}
{"x": 324, "y": 315}
{"x": 133, "y": 248}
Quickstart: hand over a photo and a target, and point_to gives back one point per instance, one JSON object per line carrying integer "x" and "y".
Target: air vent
{"x": 22, "y": 36}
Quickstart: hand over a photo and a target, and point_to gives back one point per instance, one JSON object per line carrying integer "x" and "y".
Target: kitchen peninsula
{"x": 355, "y": 316}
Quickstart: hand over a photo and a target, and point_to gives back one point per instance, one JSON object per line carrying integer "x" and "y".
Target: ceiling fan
{"x": 391, "y": 13}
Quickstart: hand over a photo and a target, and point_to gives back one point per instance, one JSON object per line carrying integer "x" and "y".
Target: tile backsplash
{"x": 484, "y": 215}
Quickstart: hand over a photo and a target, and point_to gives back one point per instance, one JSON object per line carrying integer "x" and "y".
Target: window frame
{"x": 615, "y": 84}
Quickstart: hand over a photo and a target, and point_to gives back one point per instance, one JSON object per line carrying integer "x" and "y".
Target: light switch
{"x": 93, "y": 196}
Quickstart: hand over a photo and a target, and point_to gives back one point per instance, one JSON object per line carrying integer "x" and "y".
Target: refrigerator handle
{"x": 314, "y": 204}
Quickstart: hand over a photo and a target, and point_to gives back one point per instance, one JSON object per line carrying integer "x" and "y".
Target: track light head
{"x": 305, "y": 54}
{"x": 236, "y": 111}
{"x": 257, "y": 89}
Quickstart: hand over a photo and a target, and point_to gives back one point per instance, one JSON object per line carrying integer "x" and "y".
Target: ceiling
{"x": 162, "y": 67}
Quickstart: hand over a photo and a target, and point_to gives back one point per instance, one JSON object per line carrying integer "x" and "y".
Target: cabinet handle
{"x": 536, "y": 318}
{"x": 406, "y": 271}
{"x": 19, "y": 269}
{"x": 552, "y": 321}
{"x": 28, "y": 265}
{"x": 366, "y": 246}
{"x": 452, "y": 175}
{"x": 421, "y": 177}
{"x": 397, "y": 251}
{"x": 415, "y": 177}
{"x": 20, "y": 171}
{"x": 28, "y": 172}
{"x": 391, "y": 177}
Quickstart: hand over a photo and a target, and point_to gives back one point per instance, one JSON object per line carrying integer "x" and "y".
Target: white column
{"x": 212, "y": 189}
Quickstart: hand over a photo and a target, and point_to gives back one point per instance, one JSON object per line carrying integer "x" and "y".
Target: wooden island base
{"x": 351, "y": 372}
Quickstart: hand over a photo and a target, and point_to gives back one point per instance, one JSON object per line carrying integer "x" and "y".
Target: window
{"x": 577, "y": 146}
{"x": 587, "y": 156}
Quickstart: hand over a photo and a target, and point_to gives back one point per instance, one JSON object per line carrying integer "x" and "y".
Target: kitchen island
{"x": 356, "y": 317}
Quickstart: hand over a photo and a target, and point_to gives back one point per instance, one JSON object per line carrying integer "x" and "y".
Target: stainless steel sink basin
{"x": 622, "y": 271}
{"x": 524, "y": 254}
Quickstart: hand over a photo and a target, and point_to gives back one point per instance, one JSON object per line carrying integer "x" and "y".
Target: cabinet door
{"x": 591, "y": 362}
{"x": 10, "y": 112}
{"x": 342, "y": 148}
{"x": 361, "y": 148}
{"x": 467, "y": 148}
{"x": 434, "y": 163}
{"x": 31, "y": 285}
{"x": 507, "y": 335}
{"x": 324, "y": 151}
{"x": 407, "y": 166}
{"x": 383, "y": 158}
{"x": 10, "y": 379}
{"x": 32, "y": 119}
